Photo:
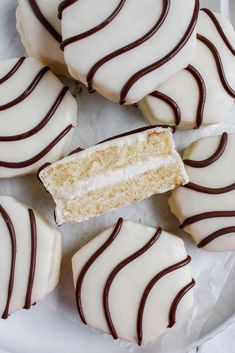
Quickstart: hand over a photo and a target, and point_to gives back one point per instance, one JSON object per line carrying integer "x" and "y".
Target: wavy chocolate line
{"x": 206, "y": 215}
{"x": 148, "y": 289}
{"x": 138, "y": 75}
{"x": 41, "y": 18}
{"x": 215, "y": 235}
{"x": 90, "y": 262}
{"x": 114, "y": 273}
{"x": 220, "y": 30}
{"x": 212, "y": 159}
{"x": 43, "y": 122}
{"x": 211, "y": 191}
{"x": 219, "y": 64}
{"x": 33, "y": 230}
{"x": 126, "y": 48}
{"x": 40, "y": 155}
{"x": 63, "y": 5}
{"x": 11, "y": 229}
{"x": 174, "y": 106}
{"x": 77, "y": 150}
{"x": 94, "y": 29}
{"x": 45, "y": 165}
{"x": 13, "y": 70}
{"x": 202, "y": 94}
{"x": 176, "y": 301}
{"x": 28, "y": 90}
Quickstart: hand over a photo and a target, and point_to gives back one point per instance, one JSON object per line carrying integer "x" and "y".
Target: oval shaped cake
{"x": 40, "y": 32}
{"x": 30, "y": 252}
{"x": 204, "y": 92}
{"x": 125, "y": 49}
{"x": 205, "y": 206}
{"x": 133, "y": 281}
{"x": 37, "y": 117}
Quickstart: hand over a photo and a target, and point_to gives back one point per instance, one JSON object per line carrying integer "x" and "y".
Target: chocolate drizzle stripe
{"x": 174, "y": 106}
{"x": 202, "y": 94}
{"x": 11, "y": 229}
{"x": 77, "y": 150}
{"x": 211, "y": 191}
{"x": 63, "y": 5}
{"x": 95, "y": 29}
{"x": 114, "y": 273}
{"x": 212, "y": 159}
{"x": 42, "y": 124}
{"x": 137, "y": 76}
{"x": 215, "y": 235}
{"x": 176, "y": 301}
{"x": 219, "y": 64}
{"x": 206, "y": 215}
{"x": 45, "y": 165}
{"x": 13, "y": 70}
{"x": 148, "y": 289}
{"x": 90, "y": 262}
{"x": 28, "y": 90}
{"x": 220, "y": 30}
{"x": 126, "y": 48}
{"x": 40, "y": 155}
{"x": 33, "y": 230}
{"x": 41, "y": 18}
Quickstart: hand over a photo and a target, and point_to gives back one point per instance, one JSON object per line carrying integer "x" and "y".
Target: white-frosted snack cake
{"x": 30, "y": 255}
{"x": 40, "y": 32}
{"x": 133, "y": 281}
{"x": 205, "y": 207}
{"x": 38, "y": 115}
{"x": 125, "y": 49}
{"x": 114, "y": 173}
{"x": 204, "y": 92}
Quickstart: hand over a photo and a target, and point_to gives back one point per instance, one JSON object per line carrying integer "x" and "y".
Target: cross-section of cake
{"x": 119, "y": 171}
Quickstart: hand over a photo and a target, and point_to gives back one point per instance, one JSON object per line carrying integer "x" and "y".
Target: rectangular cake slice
{"x": 117, "y": 172}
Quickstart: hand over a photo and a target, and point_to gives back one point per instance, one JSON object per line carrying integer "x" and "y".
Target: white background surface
{"x": 53, "y": 325}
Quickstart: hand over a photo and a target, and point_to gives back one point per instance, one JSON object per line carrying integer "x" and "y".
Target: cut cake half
{"x": 117, "y": 172}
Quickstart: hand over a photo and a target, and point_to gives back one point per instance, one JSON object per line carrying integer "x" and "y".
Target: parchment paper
{"x": 54, "y": 325}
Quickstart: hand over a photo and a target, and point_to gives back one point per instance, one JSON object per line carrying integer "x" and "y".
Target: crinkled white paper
{"x": 53, "y": 326}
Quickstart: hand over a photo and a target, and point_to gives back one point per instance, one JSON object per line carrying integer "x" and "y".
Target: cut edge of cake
{"x": 113, "y": 174}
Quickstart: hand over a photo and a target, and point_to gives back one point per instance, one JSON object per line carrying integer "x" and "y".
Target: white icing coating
{"x": 129, "y": 284}
{"x": 27, "y": 114}
{"x": 133, "y": 21}
{"x": 37, "y": 40}
{"x": 183, "y": 87}
{"x": 48, "y": 256}
{"x": 186, "y": 203}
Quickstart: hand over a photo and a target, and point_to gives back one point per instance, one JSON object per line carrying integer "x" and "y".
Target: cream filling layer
{"x": 81, "y": 187}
